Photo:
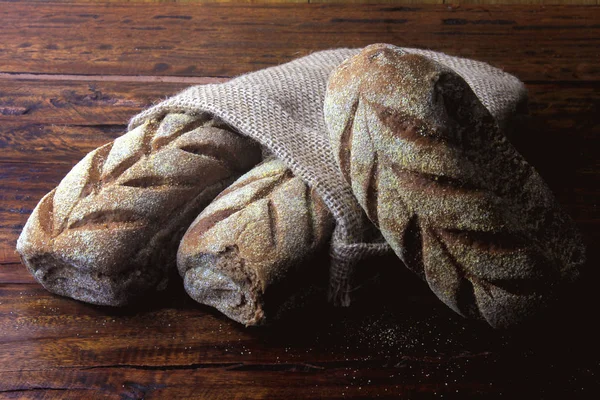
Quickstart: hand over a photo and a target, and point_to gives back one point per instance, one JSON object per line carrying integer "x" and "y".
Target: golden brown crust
{"x": 250, "y": 239}
{"x": 109, "y": 232}
{"x": 457, "y": 203}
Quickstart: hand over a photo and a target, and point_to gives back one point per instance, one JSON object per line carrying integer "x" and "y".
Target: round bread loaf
{"x": 454, "y": 199}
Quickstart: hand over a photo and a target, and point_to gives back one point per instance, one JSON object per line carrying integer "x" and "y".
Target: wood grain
{"x": 403, "y": 2}
{"x": 513, "y": 2}
{"x": 71, "y": 76}
{"x": 53, "y": 99}
{"x": 278, "y": 381}
{"x": 453, "y": 2}
{"x": 171, "y": 348}
{"x": 142, "y": 39}
{"x": 510, "y": 2}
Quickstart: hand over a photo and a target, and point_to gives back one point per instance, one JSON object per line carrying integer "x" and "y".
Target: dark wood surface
{"x": 71, "y": 75}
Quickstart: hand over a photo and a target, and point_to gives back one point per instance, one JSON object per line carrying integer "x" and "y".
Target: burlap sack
{"x": 282, "y": 108}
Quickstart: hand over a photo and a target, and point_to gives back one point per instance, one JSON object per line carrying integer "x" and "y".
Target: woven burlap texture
{"x": 282, "y": 108}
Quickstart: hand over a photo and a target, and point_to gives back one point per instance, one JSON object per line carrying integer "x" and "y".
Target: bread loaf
{"x": 250, "y": 239}
{"x": 455, "y": 200}
{"x": 109, "y": 232}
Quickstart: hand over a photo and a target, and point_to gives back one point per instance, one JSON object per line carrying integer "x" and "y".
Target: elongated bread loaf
{"x": 249, "y": 240}
{"x": 457, "y": 203}
{"x": 109, "y": 232}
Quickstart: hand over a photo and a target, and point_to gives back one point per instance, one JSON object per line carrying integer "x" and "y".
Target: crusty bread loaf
{"x": 110, "y": 230}
{"x": 250, "y": 238}
{"x": 457, "y": 203}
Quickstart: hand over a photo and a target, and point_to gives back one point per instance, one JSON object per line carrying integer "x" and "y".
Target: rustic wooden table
{"x": 71, "y": 75}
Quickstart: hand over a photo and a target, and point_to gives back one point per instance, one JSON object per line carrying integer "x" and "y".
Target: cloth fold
{"x": 282, "y": 108}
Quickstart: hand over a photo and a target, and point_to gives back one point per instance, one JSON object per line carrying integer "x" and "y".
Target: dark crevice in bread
{"x": 466, "y": 301}
{"x": 268, "y": 189}
{"x": 424, "y": 181}
{"x": 372, "y": 181}
{"x": 273, "y": 220}
{"x": 122, "y": 167}
{"x": 372, "y": 192}
{"x": 178, "y": 220}
{"x": 345, "y": 153}
{"x": 405, "y": 126}
{"x": 261, "y": 194}
{"x": 281, "y": 177}
{"x": 211, "y": 220}
{"x": 46, "y": 221}
{"x": 154, "y": 182}
{"x": 413, "y": 245}
{"x": 167, "y": 135}
{"x": 218, "y": 153}
{"x": 217, "y": 122}
{"x": 465, "y": 281}
{"x": 522, "y": 287}
{"x": 149, "y": 135}
{"x": 239, "y": 184}
{"x": 95, "y": 172}
{"x": 113, "y": 219}
{"x": 311, "y": 223}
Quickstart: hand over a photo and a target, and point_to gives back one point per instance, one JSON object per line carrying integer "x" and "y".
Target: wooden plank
{"x": 82, "y": 100}
{"x": 41, "y": 143}
{"x": 412, "y": 380}
{"x": 403, "y": 2}
{"x": 168, "y": 346}
{"x": 15, "y": 273}
{"x": 43, "y": 331}
{"x": 515, "y": 2}
{"x": 228, "y": 383}
{"x": 557, "y": 43}
{"x": 455, "y": 2}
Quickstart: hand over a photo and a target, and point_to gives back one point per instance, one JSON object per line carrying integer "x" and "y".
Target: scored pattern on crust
{"x": 264, "y": 224}
{"x": 259, "y": 185}
{"x": 463, "y": 210}
{"x": 266, "y": 184}
{"x": 124, "y": 207}
{"x": 152, "y": 140}
{"x": 462, "y": 289}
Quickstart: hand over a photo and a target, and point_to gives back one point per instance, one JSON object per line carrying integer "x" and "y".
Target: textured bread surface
{"x": 454, "y": 199}
{"x": 109, "y": 232}
{"x": 250, "y": 239}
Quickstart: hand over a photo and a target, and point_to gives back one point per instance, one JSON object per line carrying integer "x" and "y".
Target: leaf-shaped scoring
{"x": 126, "y": 204}
{"x": 249, "y": 237}
{"x": 455, "y": 200}
{"x": 152, "y": 156}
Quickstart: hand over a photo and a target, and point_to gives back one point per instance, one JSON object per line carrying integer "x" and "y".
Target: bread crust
{"x": 109, "y": 232}
{"x": 454, "y": 199}
{"x": 250, "y": 239}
